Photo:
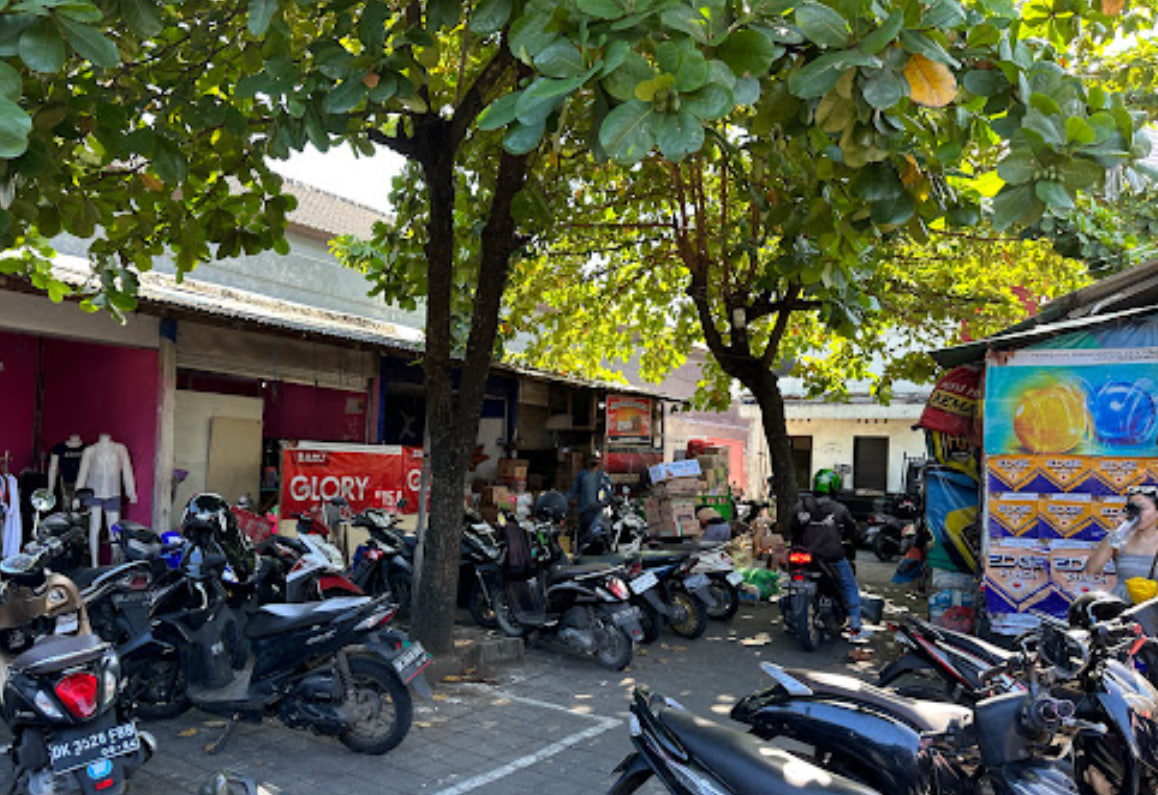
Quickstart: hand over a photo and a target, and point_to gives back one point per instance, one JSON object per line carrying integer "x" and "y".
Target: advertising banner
{"x": 367, "y": 476}
{"x": 628, "y": 419}
{"x": 953, "y": 403}
{"x": 1076, "y": 427}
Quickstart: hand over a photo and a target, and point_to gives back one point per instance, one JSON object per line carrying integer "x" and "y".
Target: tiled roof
{"x": 327, "y": 215}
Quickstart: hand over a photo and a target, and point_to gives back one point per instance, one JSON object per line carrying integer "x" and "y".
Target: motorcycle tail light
{"x": 800, "y": 558}
{"x": 374, "y": 554}
{"x": 375, "y": 620}
{"x": 78, "y": 693}
{"x": 618, "y": 588}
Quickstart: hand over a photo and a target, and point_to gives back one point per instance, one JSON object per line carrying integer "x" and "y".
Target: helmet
{"x": 1090, "y": 608}
{"x": 826, "y": 481}
{"x": 551, "y": 506}
{"x": 208, "y": 519}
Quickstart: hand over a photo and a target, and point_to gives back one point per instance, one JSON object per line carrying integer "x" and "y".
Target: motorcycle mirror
{"x": 43, "y": 500}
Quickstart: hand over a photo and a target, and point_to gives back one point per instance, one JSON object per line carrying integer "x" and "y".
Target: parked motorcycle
{"x": 71, "y": 732}
{"x": 309, "y": 568}
{"x": 584, "y": 607}
{"x": 665, "y": 591}
{"x": 480, "y": 569}
{"x": 384, "y": 564}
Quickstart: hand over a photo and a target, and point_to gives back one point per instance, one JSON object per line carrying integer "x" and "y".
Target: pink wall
{"x": 17, "y": 397}
{"x": 293, "y": 411}
{"x": 92, "y": 389}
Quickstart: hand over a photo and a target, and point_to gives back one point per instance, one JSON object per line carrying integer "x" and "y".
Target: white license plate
{"x": 72, "y": 752}
{"x": 644, "y": 581}
{"x": 696, "y": 581}
{"x": 735, "y": 577}
{"x": 411, "y": 661}
{"x": 67, "y": 623}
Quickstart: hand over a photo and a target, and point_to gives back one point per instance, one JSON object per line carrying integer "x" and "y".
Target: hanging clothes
{"x": 13, "y": 531}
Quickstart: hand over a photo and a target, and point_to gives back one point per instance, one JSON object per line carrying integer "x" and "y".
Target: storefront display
{"x": 105, "y": 467}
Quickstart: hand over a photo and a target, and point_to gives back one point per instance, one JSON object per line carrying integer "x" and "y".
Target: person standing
{"x": 590, "y": 492}
{"x": 1133, "y": 546}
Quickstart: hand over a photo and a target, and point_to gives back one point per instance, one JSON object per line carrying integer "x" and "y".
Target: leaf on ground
{"x": 759, "y": 639}
{"x": 187, "y": 732}
{"x": 452, "y": 678}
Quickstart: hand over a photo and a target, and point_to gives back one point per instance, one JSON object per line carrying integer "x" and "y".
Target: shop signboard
{"x": 628, "y": 419}
{"x": 367, "y": 476}
{"x": 1067, "y": 432}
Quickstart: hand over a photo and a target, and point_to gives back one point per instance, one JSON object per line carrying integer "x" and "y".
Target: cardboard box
{"x": 513, "y": 468}
{"x": 675, "y": 469}
{"x": 678, "y": 487}
{"x": 495, "y": 495}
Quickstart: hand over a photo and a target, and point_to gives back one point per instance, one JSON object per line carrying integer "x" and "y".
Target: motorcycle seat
{"x": 651, "y": 559}
{"x": 83, "y": 578}
{"x": 53, "y": 653}
{"x": 923, "y": 716}
{"x": 286, "y": 617}
{"x": 967, "y": 643}
{"x": 747, "y": 766}
{"x": 573, "y": 571}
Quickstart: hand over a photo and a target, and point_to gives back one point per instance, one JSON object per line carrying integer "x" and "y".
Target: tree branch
{"x": 475, "y": 99}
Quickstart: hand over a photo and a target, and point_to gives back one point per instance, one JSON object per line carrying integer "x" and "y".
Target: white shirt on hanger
{"x": 102, "y": 468}
{"x": 13, "y": 529}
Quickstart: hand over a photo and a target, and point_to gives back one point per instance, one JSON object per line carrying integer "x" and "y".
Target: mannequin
{"x": 103, "y": 467}
{"x": 65, "y": 462}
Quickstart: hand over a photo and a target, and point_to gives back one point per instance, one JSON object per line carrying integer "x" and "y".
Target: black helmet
{"x": 1090, "y": 608}
{"x": 208, "y": 519}
{"x": 551, "y": 506}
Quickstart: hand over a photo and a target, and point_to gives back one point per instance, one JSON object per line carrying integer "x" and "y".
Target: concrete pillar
{"x": 166, "y": 406}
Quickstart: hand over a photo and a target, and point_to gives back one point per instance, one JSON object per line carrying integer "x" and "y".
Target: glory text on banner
{"x": 365, "y": 476}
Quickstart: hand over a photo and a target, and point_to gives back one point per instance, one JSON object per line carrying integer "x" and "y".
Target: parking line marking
{"x": 602, "y": 725}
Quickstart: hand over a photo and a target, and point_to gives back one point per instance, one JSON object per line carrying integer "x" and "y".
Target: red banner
{"x": 367, "y": 477}
{"x": 952, "y": 406}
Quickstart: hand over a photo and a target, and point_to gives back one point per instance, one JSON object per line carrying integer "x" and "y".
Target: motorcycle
{"x": 384, "y": 564}
{"x": 1070, "y": 680}
{"x": 665, "y": 591}
{"x": 309, "y": 569}
{"x": 71, "y": 731}
{"x": 813, "y": 604}
{"x": 584, "y": 607}
{"x": 480, "y": 569}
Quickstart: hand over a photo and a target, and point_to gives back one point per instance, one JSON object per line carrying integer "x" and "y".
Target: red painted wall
{"x": 92, "y": 389}
{"x": 293, "y": 411}
{"x": 17, "y": 398}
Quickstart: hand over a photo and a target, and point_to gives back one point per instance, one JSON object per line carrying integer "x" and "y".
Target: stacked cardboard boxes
{"x": 714, "y": 466}
{"x": 671, "y": 508}
{"x": 492, "y": 499}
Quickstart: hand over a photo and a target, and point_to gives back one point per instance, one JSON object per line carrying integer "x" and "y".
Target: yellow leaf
{"x": 186, "y": 732}
{"x": 152, "y": 183}
{"x": 370, "y": 79}
{"x": 1113, "y": 7}
{"x": 930, "y": 83}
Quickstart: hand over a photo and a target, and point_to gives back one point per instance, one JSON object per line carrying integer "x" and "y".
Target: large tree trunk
{"x": 452, "y": 418}
{"x": 765, "y": 388}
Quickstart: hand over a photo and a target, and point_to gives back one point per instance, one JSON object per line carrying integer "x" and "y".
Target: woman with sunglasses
{"x": 1134, "y": 544}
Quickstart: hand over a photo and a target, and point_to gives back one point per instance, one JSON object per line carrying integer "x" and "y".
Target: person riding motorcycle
{"x": 822, "y": 525}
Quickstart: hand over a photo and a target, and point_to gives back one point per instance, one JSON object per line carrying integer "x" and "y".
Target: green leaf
{"x": 170, "y": 163}
{"x": 1054, "y": 195}
{"x": 442, "y": 14}
{"x": 1045, "y": 126}
{"x": 834, "y": 113}
{"x": 884, "y": 35}
{"x": 822, "y": 25}
{"x": 1079, "y": 131}
{"x": 885, "y": 90}
{"x": 523, "y": 138}
{"x": 893, "y": 211}
{"x": 15, "y": 125}
{"x": 345, "y": 97}
{"x": 260, "y": 15}
{"x": 41, "y": 47}
{"x": 747, "y": 52}
{"x": 489, "y": 16}
{"x": 560, "y": 59}
{"x": 499, "y": 113}
{"x": 1018, "y": 168}
{"x": 621, "y": 82}
{"x": 11, "y": 86}
{"x": 142, "y": 18}
{"x": 816, "y": 78}
{"x": 1077, "y": 173}
{"x": 877, "y": 182}
{"x": 1011, "y": 204}
{"x": 985, "y": 82}
{"x": 713, "y": 101}
{"x": 90, "y": 43}
{"x": 614, "y": 56}
{"x": 529, "y": 206}
{"x": 602, "y": 9}
{"x": 530, "y": 34}
{"x": 920, "y": 44}
{"x": 746, "y": 91}
{"x": 1044, "y": 104}
{"x": 943, "y": 14}
{"x": 625, "y": 133}
{"x": 678, "y": 134}
{"x": 372, "y": 26}
{"x": 539, "y": 99}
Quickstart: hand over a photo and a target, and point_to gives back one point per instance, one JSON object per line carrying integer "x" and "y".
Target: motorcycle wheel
{"x": 382, "y": 708}
{"x": 481, "y": 610}
{"x": 650, "y": 621}
{"x": 884, "y": 548}
{"x": 402, "y": 587}
{"x": 695, "y": 620}
{"x": 614, "y": 650}
{"x": 162, "y": 695}
{"x": 726, "y": 599}
{"x": 505, "y": 618}
{"x": 806, "y": 630}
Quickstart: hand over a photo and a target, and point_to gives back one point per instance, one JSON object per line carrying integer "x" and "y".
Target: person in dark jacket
{"x": 823, "y": 526}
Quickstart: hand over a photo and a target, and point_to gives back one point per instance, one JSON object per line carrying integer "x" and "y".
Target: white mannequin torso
{"x": 103, "y": 468}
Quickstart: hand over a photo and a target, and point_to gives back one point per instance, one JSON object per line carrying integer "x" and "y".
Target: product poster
{"x": 367, "y": 476}
{"x": 1067, "y": 432}
{"x": 628, "y": 419}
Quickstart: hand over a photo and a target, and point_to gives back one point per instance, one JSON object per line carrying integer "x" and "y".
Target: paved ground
{"x": 550, "y": 725}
